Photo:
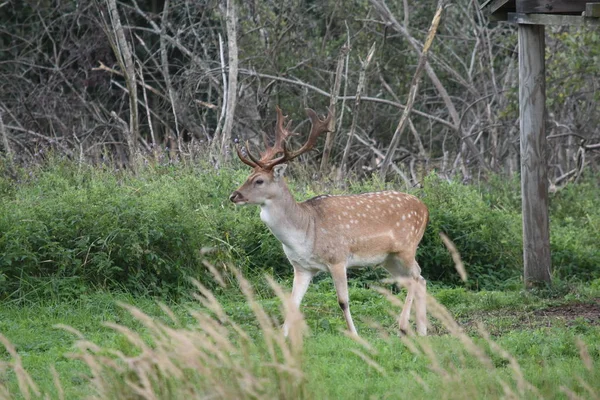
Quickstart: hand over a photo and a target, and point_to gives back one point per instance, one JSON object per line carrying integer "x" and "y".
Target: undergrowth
{"x": 66, "y": 229}
{"x": 222, "y": 347}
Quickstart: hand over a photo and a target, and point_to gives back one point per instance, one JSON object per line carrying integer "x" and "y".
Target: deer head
{"x": 266, "y": 180}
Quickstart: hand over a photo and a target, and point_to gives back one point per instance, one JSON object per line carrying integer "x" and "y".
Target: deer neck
{"x": 291, "y": 223}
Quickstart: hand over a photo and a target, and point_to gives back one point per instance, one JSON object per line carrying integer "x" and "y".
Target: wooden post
{"x": 534, "y": 174}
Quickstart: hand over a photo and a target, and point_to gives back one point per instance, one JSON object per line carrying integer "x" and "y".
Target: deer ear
{"x": 278, "y": 171}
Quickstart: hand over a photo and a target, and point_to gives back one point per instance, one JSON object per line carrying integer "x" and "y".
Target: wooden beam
{"x": 534, "y": 174}
{"x": 592, "y": 10}
{"x": 547, "y": 19}
{"x": 491, "y": 6}
{"x": 553, "y": 6}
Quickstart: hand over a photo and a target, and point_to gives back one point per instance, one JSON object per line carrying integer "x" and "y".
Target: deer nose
{"x": 235, "y": 196}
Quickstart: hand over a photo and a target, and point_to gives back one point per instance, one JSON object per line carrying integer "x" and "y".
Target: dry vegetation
{"x": 216, "y": 357}
{"x": 107, "y": 82}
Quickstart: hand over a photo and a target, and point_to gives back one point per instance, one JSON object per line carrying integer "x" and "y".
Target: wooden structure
{"x": 531, "y": 16}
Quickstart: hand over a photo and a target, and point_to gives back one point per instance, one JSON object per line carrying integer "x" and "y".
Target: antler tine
{"x": 281, "y": 135}
{"x": 319, "y": 126}
{"x": 253, "y": 162}
{"x": 281, "y": 132}
{"x": 254, "y": 159}
{"x": 242, "y": 158}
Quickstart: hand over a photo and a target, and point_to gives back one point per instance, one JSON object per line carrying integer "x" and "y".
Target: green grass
{"x": 545, "y": 347}
{"x": 75, "y": 242}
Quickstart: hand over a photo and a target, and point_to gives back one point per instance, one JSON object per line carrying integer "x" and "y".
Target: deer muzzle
{"x": 237, "y": 198}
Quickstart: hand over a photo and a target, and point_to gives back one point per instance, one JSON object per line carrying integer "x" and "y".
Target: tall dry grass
{"x": 214, "y": 359}
{"x": 217, "y": 358}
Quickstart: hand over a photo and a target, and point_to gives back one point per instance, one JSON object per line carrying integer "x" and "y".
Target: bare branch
{"x": 5, "y": 143}
{"x": 231, "y": 22}
{"x": 363, "y": 98}
{"x": 355, "y": 111}
{"x": 335, "y": 90}
{"x": 123, "y": 54}
{"x": 385, "y": 13}
{"x": 165, "y": 70}
{"x": 413, "y": 90}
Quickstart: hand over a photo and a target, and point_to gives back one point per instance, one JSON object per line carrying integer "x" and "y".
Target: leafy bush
{"x": 575, "y": 229}
{"x": 487, "y": 238}
{"x": 65, "y": 228}
{"x": 112, "y": 229}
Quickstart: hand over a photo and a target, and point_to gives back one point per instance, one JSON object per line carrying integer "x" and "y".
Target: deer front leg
{"x": 340, "y": 280}
{"x": 302, "y": 278}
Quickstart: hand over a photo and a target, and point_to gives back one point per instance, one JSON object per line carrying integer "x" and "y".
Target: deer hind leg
{"x": 302, "y": 278}
{"x": 421, "y": 304}
{"x": 401, "y": 267}
{"x": 340, "y": 280}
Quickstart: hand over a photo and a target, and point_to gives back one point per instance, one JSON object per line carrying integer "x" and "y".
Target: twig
{"x": 125, "y": 60}
{"x": 5, "y": 143}
{"x": 379, "y": 154}
{"x": 413, "y": 90}
{"x": 335, "y": 91}
{"x": 103, "y": 67}
{"x": 343, "y": 98}
{"x": 147, "y": 107}
{"x": 232, "y": 50}
{"x": 355, "y": 110}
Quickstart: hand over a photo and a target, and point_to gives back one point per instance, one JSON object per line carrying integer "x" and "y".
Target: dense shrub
{"x": 64, "y": 229}
{"x": 488, "y": 237}
{"x": 575, "y": 229}
{"x": 111, "y": 229}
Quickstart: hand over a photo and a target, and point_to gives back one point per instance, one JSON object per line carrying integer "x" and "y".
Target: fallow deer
{"x": 334, "y": 233}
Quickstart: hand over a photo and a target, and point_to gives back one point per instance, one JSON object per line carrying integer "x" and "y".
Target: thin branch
{"x": 335, "y": 90}
{"x": 231, "y": 24}
{"x": 363, "y": 98}
{"x": 219, "y": 127}
{"x": 103, "y": 67}
{"x": 388, "y": 17}
{"x": 165, "y": 70}
{"x": 5, "y": 143}
{"x": 413, "y": 90}
{"x": 379, "y": 154}
{"x": 355, "y": 110}
{"x": 123, "y": 53}
{"x": 174, "y": 42}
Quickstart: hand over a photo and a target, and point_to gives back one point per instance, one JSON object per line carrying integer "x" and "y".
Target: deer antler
{"x": 319, "y": 126}
{"x": 281, "y": 136}
{"x": 268, "y": 158}
{"x": 243, "y": 158}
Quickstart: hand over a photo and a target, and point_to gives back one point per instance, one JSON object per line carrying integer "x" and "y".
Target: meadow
{"x": 151, "y": 285}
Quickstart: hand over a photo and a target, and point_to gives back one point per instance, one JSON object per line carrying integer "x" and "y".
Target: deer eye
{"x": 259, "y": 181}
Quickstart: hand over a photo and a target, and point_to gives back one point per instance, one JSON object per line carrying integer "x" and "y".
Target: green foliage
{"x": 575, "y": 229}
{"x": 545, "y": 348}
{"x": 65, "y": 229}
{"x": 112, "y": 229}
{"x": 567, "y": 55}
{"x": 487, "y": 237}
